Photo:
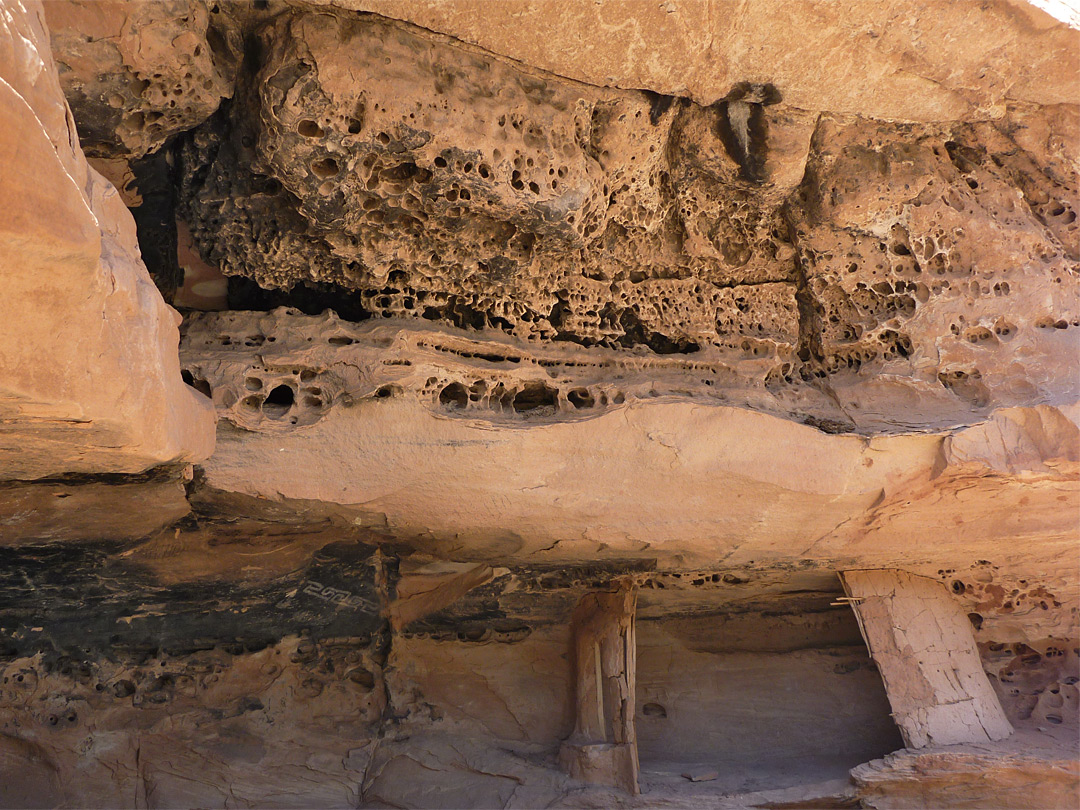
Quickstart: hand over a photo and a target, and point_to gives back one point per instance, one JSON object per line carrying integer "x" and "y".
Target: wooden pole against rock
{"x": 603, "y": 746}
{"x": 922, "y": 643}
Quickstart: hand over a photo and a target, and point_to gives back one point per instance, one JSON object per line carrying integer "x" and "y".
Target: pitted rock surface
{"x": 543, "y": 304}
{"x": 457, "y": 186}
{"x": 445, "y": 183}
{"x": 136, "y": 74}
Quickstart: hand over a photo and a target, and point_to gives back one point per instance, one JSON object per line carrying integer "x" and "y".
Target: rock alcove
{"x": 565, "y": 405}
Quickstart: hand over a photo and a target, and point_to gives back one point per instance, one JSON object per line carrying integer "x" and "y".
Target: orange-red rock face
{"x": 594, "y": 342}
{"x": 89, "y": 379}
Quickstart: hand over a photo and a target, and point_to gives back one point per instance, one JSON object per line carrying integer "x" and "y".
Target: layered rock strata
{"x": 921, "y": 267}
{"x": 570, "y": 370}
{"x": 441, "y": 434}
{"x": 400, "y": 413}
{"x": 456, "y": 186}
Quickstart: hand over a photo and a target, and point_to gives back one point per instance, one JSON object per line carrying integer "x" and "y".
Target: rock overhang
{"x": 715, "y": 333}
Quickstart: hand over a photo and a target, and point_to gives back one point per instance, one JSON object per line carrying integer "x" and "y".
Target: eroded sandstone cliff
{"x": 623, "y": 404}
{"x": 87, "y": 347}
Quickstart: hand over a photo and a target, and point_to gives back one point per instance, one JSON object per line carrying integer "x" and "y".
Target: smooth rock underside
{"x": 616, "y": 404}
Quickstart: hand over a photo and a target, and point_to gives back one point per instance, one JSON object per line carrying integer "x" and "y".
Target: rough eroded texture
{"x": 137, "y": 73}
{"x": 283, "y": 685}
{"x": 936, "y": 260}
{"x": 421, "y": 406}
{"x": 669, "y": 309}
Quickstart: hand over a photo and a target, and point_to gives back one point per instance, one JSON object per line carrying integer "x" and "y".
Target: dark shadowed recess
{"x": 88, "y": 600}
{"x": 311, "y": 298}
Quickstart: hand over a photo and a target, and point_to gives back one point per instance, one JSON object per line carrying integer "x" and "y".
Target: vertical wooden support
{"x": 603, "y": 748}
{"x": 921, "y": 641}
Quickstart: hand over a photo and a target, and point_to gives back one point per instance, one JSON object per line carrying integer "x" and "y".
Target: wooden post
{"x": 923, "y": 646}
{"x": 603, "y": 748}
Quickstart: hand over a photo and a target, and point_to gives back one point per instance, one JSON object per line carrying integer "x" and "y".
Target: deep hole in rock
{"x": 309, "y": 129}
{"x": 311, "y": 298}
{"x": 653, "y": 710}
{"x": 454, "y": 395}
{"x": 325, "y": 168}
{"x": 535, "y": 396}
{"x": 278, "y": 401}
{"x": 199, "y": 384}
{"x": 581, "y": 398}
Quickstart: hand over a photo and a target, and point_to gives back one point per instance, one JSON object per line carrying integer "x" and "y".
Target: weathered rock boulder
{"x": 89, "y": 377}
{"x": 136, "y": 73}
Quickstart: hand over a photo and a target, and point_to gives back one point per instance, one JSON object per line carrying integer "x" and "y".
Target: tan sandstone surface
{"x": 89, "y": 380}
{"x": 659, "y": 403}
{"x": 892, "y": 60}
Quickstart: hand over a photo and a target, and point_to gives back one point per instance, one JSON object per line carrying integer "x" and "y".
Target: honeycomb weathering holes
{"x": 454, "y": 395}
{"x": 278, "y": 401}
